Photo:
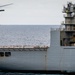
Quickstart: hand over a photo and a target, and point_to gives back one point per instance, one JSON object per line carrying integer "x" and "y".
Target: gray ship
{"x": 59, "y": 57}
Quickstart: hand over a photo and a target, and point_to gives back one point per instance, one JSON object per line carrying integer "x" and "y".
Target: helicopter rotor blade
{"x": 6, "y": 5}
{"x": 2, "y": 10}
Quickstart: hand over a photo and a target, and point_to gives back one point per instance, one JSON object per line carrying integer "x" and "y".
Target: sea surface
{"x": 25, "y": 34}
{"x": 36, "y": 35}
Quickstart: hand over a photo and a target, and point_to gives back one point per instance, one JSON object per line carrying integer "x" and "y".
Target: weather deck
{"x": 23, "y": 48}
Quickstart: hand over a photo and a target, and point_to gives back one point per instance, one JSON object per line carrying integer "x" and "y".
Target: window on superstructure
{"x": 73, "y": 27}
{"x": 1, "y": 54}
{"x": 7, "y": 54}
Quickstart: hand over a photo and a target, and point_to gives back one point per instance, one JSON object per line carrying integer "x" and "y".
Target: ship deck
{"x": 23, "y": 48}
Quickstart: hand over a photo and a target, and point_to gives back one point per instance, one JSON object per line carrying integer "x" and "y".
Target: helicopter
{"x": 4, "y": 6}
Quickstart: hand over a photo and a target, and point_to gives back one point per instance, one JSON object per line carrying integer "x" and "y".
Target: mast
{"x": 67, "y": 36}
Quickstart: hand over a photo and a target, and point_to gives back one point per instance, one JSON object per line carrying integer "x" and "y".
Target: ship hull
{"x": 24, "y": 60}
{"x": 54, "y": 58}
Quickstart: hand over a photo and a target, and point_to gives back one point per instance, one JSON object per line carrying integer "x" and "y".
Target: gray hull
{"x": 56, "y": 57}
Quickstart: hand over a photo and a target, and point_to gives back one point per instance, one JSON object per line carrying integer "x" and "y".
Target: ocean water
{"x": 25, "y": 35}
{"x": 9, "y": 73}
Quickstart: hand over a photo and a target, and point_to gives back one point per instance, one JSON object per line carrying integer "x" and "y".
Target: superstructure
{"x": 68, "y": 34}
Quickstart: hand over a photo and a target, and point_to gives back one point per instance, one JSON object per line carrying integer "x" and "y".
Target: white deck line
{"x": 22, "y": 46}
